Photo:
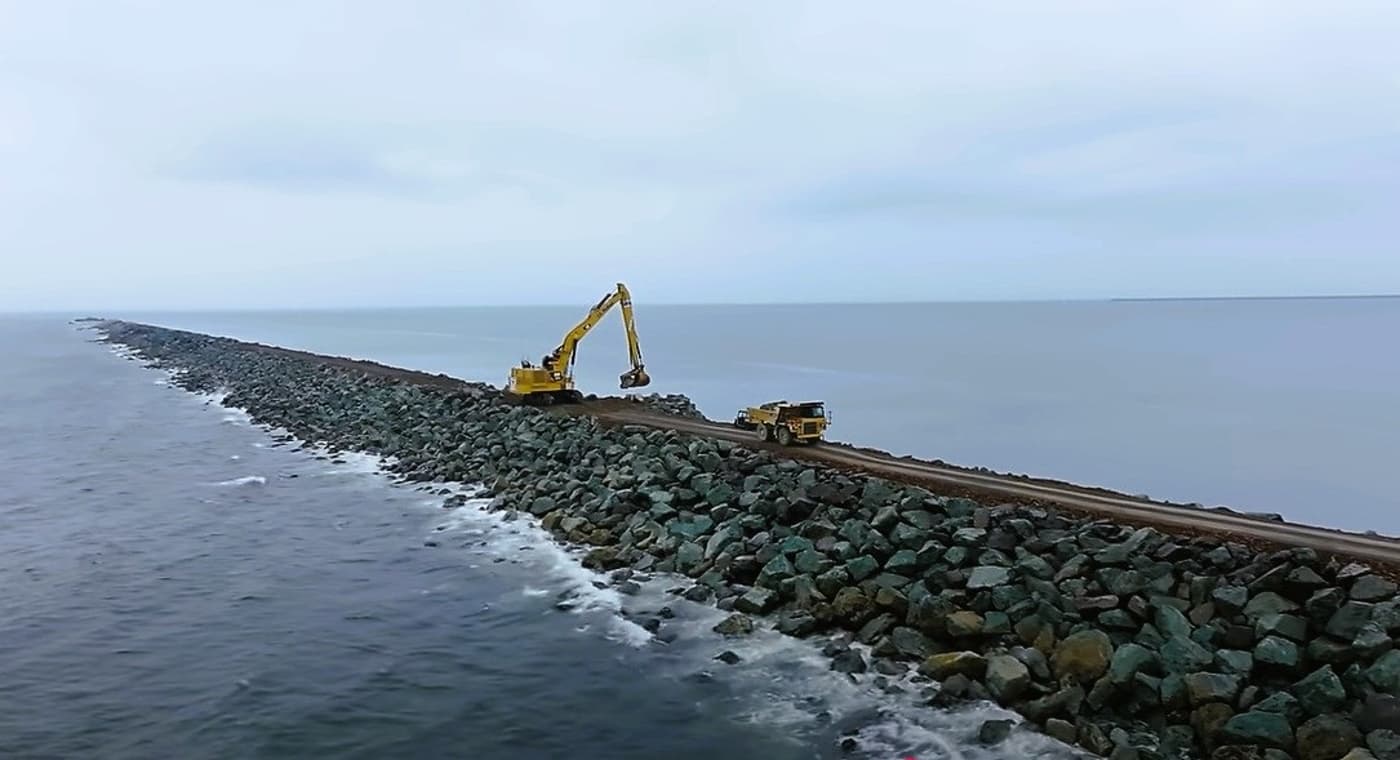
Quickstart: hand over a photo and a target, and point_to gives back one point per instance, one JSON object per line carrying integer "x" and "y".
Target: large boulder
{"x": 735, "y": 625}
{"x": 1128, "y": 660}
{"x": 1327, "y": 737}
{"x": 1211, "y": 687}
{"x": 1320, "y": 692}
{"x": 1082, "y": 656}
{"x": 941, "y": 666}
{"x": 1182, "y": 655}
{"x": 1007, "y": 678}
{"x": 852, "y": 606}
{"x": 756, "y": 601}
{"x": 1372, "y": 588}
{"x": 1261, "y": 728}
{"x": 988, "y": 576}
{"x": 1384, "y": 673}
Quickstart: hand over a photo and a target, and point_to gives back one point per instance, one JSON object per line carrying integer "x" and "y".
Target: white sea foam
{"x": 787, "y": 683}
{"x": 247, "y": 480}
{"x": 507, "y": 535}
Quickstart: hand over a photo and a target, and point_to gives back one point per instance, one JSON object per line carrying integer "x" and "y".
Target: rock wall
{"x": 1130, "y": 643}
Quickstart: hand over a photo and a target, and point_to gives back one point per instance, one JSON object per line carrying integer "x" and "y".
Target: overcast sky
{"x": 202, "y": 154}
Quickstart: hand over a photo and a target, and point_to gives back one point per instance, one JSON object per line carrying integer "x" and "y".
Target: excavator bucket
{"x": 635, "y": 378}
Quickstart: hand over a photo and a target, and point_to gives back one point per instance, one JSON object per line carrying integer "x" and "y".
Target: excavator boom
{"x": 554, "y": 380}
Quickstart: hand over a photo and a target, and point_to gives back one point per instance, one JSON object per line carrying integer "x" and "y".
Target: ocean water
{"x": 179, "y": 584}
{"x": 1288, "y": 406}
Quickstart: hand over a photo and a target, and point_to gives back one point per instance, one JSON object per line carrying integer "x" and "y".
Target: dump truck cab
{"x": 786, "y": 422}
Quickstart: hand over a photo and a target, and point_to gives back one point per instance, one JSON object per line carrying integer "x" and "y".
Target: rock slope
{"x": 1129, "y": 643}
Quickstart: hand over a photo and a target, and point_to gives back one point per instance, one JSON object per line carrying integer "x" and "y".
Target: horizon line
{"x": 690, "y": 304}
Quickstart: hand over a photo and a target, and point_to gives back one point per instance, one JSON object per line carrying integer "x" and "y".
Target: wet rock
{"x": 1007, "y": 678}
{"x": 963, "y": 623}
{"x": 1372, "y": 588}
{"x": 1348, "y": 620}
{"x": 1287, "y": 626}
{"x": 1384, "y": 744}
{"x": 1211, "y": 687}
{"x": 811, "y": 562}
{"x": 941, "y": 666}
{"x": 832, "y": 581}
{"x": 1230, "y": 600}
{"x": 994, "y": 732}
{"x": 1320, "y": 692}
{"x": 988, "y": 577}
{"x": 1209, "y": 719}
{"x": 875, "y": 628}
{"x": 1268, "y": 603}
{"x": 1328, "y": 650}
{"x": 1128, "y": 660}
{"x": 904, "y": 561}
{"x": 1277, "y": 651}
{"x": 796, "y": 623}
{"x": 1182, "y": 655}
{"x": 1324, "y": 603}
{"x": 1234, "y": 662}
{"x": 910, "y": 643}
{"x": 1265, "y": 729}
{"x": 1284, "y": 704}
{"x": 1064, "y": 703}
{"x": 1327, "y": 737}
{"x": 1083, "y": 656}
{"x": 862, "y": 567}
{"x": 689, "y": 556}
{"x": 729, "y": 658}
{"x": 1061, "y": 730}
{"x": 542, "y": 505}
{"x": 1372, "y": 641}
{"x": 849, "y": 661}
{"x": 1171, "y": 622}
{"x": 852, "y": 606}
{"x": 1378, "y": 712}
{"x": 756, "y": 601}
{"x": 735, "y": 625}
{"x": 1384, "y": 673}
{"x": 775, "y": 572}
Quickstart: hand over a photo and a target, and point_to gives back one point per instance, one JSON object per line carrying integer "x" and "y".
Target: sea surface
{"x": 179, "y": 584}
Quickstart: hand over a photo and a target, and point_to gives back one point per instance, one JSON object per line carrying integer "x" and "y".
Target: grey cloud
{"x": 452, "y": 148}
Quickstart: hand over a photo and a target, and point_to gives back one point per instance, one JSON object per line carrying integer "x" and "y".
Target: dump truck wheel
{"x": 784, "y": 436}
{"x": 763, "y": 433}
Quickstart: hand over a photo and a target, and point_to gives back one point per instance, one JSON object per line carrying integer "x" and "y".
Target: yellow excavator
{"x": 553, "y": 380}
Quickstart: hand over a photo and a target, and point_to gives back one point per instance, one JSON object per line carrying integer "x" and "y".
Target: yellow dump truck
{"x": 785, "y": 422}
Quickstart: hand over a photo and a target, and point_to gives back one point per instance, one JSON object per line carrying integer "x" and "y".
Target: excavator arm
{"x": 561, "y": 359}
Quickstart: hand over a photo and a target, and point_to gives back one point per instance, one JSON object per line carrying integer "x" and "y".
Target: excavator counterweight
{"x": 553, "y": 379}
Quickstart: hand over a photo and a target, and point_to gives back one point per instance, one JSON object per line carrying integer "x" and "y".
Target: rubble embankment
{"x": 1129, "y": 642}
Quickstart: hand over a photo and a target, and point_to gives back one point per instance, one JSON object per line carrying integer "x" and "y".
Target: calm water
{"x": 1283, "y": 406}
{"x": 176, "y": 585}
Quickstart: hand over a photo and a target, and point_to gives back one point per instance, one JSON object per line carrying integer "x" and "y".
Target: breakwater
{"x": 1129, "y": 642}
